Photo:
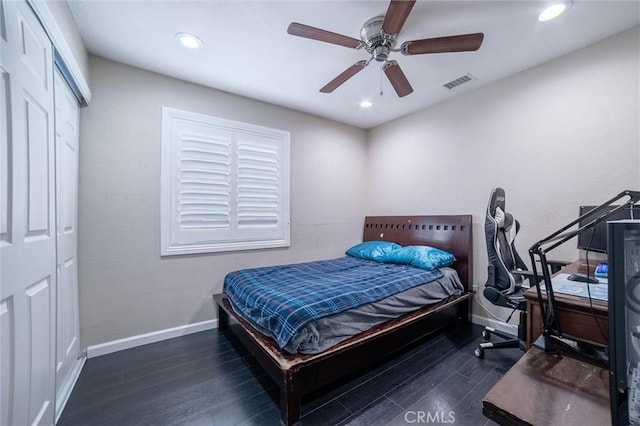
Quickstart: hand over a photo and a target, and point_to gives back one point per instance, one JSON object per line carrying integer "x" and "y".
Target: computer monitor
{"x": 595, "y": 239}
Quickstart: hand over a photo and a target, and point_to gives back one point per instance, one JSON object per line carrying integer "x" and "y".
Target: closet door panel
{"x": 3, "y": 24}
{"x": 39, "y": 297}
{"x": 5, "y": 174}
{"x": 68, "y": 330}
{"x": 7, "y": 330}
{"x": 35, "y": 52}
{"x": 39, "y": 172}
{"x": 7, "y": 348}
{"x": 28, "y": 247}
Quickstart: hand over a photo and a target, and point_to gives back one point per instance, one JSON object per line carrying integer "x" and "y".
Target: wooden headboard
{"x": 449, "y": 233}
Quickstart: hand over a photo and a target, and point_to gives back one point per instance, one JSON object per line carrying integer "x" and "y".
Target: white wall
{"x": 554, "y": 137}
{"x": 125, "y": 287}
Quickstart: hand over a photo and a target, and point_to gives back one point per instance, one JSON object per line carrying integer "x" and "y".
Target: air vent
{"x": 459, "y": 81}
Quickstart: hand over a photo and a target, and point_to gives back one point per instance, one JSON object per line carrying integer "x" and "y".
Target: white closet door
{"x": 27, "y": 220}
{"x": 68, "y": 332}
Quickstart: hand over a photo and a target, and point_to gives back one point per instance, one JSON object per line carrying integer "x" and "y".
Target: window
{"x": 225, "y": 185}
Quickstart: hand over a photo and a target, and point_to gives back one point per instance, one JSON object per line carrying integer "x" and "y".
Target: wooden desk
{"x": 575, "y": 316}
{"x": 546, "y": 389}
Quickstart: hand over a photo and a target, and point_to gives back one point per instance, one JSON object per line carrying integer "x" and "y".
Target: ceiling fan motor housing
{"x": 375, "y": 41}
{"x": 371, "y": 32}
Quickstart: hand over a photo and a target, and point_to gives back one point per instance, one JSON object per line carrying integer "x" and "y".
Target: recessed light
{"x": 366, "y": 104}
{"x": 552, "y": 12}
{"x": 189, "y": 40}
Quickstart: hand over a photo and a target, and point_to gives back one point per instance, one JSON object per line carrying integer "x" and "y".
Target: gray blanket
{"x": 323, "y": 333}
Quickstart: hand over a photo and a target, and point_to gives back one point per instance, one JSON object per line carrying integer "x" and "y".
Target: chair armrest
{"x": 556, "y": 265}
{"x": 558, "y": 262}
{"x": 533, "y": 278}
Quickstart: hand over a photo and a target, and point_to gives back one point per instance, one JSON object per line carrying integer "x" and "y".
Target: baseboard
{"x": 67, "y": 387}
{"x": 144, "y": 339}
{"x": 498, "y": 325}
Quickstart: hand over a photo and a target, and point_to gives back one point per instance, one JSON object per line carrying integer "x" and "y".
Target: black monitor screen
{"x": 595, "y": 239}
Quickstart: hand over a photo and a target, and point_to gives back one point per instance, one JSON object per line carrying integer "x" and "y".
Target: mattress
{"x": 310, "y": 307}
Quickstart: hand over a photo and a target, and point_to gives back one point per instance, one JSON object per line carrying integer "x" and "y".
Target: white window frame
{"x": 236, "y": 237}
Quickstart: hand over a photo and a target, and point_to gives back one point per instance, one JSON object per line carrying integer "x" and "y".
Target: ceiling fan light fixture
{"x": 552, "y": 12}
{"x": 189, "y": 40}
{"x": 366, "y": 104}
{"x": 381, "y": 53}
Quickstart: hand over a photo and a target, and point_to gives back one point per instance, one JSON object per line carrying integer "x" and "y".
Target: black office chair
{"x": 507, "y": 272}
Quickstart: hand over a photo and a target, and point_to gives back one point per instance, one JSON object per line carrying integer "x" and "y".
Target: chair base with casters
{"x": 508, "y": 342}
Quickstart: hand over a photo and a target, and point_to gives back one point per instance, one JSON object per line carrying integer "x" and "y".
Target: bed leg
{"x": 464, "y": 311}
{"x": 290, "y": 398}
{"x": 223, "y": 318}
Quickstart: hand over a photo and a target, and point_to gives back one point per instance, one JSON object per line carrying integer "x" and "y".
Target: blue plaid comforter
{"x": 283, "y": 299}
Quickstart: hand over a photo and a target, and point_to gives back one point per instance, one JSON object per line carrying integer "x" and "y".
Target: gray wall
{"x": 562, "y": 134}
{"x": 126, "y": 289}
{"x": 554, "y": 137}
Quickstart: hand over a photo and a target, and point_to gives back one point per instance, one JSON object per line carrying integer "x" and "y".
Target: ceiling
{"x": 247, "y": 50}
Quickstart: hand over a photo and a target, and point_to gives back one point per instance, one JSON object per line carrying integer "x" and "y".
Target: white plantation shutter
{"x": 204, "y": 183}
{"x": 225, "y": 185}
{"x": 259, "y": 184}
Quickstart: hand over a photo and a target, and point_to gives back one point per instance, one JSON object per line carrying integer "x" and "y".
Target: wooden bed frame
{"x": 299, "y": 374}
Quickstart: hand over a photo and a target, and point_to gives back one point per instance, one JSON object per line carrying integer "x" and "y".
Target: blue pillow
{"x": 372, "y": 250}
{"x": 424, "y": 257}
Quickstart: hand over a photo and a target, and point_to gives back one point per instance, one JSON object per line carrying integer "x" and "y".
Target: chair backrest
{"x": 500, "y": 229}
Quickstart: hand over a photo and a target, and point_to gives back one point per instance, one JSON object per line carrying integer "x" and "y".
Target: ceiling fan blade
{"x": 396, "y": 15}
{"x": 457, "y": 43}
{"x": 397, "y": 78}
{"x": 313, "y": 33}
{"x": 344, "y": 76}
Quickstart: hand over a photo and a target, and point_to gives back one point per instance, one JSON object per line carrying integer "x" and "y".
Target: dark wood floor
{"x": 209, "y": 379}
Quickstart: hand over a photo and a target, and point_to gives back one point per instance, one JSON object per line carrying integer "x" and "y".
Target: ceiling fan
{"x": 378, "y": 37}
